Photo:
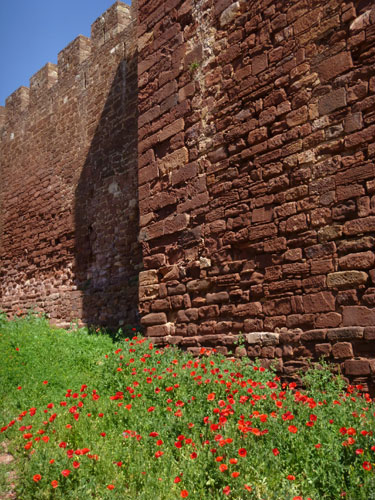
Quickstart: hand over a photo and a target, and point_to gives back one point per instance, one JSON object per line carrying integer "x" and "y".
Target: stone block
{"x": 318, "y": 302}
{"x": 176, "y": 224}
{"x": 369, "y": 333}
{"x": 358, "y": 315}
{"x": 334, "y": 66}
{"x": 197, "y": 285}
{"x": 259, "y": 63}
{"x": 342, "y": 350}
{"x": 332, "y": 101}
{"x": 148, "y": 278}
{"x": 323, "y": 350}
{"x": 328, "y": 320}
{"x": 345, "y": 333}
{"x": 357, "y": 367}
{"x": 353, "y": 122}
{"x": 217, "y": 298}
{"x": 314, "y": 335}
{"x": 154, "y": 319}
{"x": 148, "y": 292}
{"x": 230, "y": 13}
{"x": 160, "y": 330}
{"x": 249, "y": 310}
{"x": 346, "y": 279}
{"x": 361, "y": 260}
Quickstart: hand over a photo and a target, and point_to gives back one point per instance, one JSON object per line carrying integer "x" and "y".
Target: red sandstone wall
{"x": 257, "y": 178}
{"x": 68, "y": 193}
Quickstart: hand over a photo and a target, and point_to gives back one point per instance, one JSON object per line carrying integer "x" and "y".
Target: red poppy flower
{"x": 193, "y": 456}
{"x": 247, "y": 487}
{"x": 226, "y": 490}
{"x": 235, "y": 474}
{"x": 76, "y": 464}
{"x": 242, "y": 452}
{"x": 292, "y": 428}
{"x": 110, "y": 487}
{"x": 233, "y": 460}
{"x": 54, "y": 483}
{"x": 291, "y": 477}
{"x": 177, "y": 479}
{"x": 184, "y": 494}
{"x": 223, "y": 467}
{"x": 275, "y": 451}
{"x": 65, "y": 472}
{"x": 37, "y": 477}
{"x": 367, "y": 465}
{"x": 159, "y": 453}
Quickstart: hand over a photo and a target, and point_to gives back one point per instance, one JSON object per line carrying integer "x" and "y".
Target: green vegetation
{"x": 87, "y": 417}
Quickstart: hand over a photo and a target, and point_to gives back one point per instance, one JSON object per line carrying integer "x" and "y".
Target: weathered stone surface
{"x": 346, "y": 279}
{"x": 342, "y": 350}
{"x": 263, "y": 338}
{"x": 345, "y": 333}
{"x": 160, "y": 330}
{"x": 319, "y": 302}
{"x": 197, "y": 285}
{"x": 148, "y": 277}
{"x": 323, "y": 350}
{"x": 154, "y": 319}
{"x": 335, "y": 65}
{"x": 362, "y": 260}
{"x": 357, "y": 367}
{"x": 332, "y": 101}
{"x": 358, "y": 315}
{"x": 314, "y": 335}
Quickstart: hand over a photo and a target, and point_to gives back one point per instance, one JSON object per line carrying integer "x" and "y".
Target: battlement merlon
{"x": 42, "y": 80}
{"x": 109, "y": 24}
{"x": 70, "y": 58}
{"x": 3, "y": 116}
{"x": 17, "y": 102}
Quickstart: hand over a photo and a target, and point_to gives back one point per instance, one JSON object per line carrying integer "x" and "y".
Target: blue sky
{"x": 32, "y": 33}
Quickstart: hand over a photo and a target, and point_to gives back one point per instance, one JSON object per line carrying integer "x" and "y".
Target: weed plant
{"x": 87, "y": 418}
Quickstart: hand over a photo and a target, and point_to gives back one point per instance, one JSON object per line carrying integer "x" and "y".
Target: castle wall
{"x": 248, "y": 211}
{"x": 68, "y": 192}
{"x": 257, "y": 178}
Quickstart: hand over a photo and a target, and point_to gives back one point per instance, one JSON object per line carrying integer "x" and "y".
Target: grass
{"x": 87, "y": 417}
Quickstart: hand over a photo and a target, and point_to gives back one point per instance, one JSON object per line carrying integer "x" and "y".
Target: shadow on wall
{"x": 107, "y": 253}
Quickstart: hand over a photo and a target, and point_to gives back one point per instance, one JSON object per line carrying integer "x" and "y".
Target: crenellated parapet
{"x": 17, "y": 103}
{"x": 73, "y": 63}
{"x": 112, "y": 22}
{"x": 74, "y": 54}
